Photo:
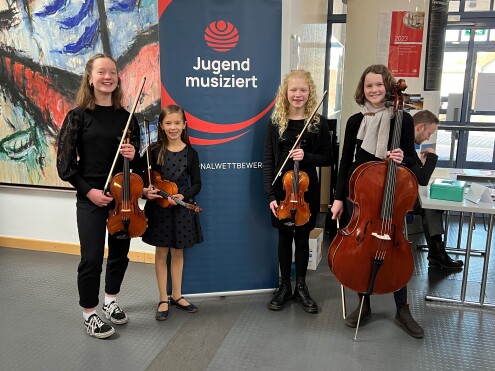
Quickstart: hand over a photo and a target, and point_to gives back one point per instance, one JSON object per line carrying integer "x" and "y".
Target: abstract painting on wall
{"x": 44, "y": 45}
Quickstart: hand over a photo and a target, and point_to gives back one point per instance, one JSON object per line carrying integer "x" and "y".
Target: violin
{"x": 371, "y": 255}
{"x": 126, "y": 220}
{"x": 294, "y": 210}
{"x": 166, "y": 189}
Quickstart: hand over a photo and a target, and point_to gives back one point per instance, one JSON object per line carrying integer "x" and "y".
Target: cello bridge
{"x": 381, "y": 236}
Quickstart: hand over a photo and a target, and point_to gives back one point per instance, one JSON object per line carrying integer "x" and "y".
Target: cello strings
{"x": 391, "y": 181}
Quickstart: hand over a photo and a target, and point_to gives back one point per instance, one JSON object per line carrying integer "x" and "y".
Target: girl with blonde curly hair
{"x": 296, "y": 100}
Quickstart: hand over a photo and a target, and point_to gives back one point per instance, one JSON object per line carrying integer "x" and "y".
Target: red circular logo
{"x": 221, "y": 36}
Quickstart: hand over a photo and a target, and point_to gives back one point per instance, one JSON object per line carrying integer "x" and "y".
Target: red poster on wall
{"x": 406, "y": 41}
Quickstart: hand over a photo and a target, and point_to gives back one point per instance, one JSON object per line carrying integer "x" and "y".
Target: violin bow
{"x": 131, "y": 114}
{"x": 148, "y": 141}
{"x": 298, "y": 138}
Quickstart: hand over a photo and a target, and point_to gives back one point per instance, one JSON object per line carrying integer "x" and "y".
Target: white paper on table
{"x": 443, "y": 173}
{"x": 477, "y": 193}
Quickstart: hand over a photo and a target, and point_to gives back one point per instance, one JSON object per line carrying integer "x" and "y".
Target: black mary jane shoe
{"x": 191, "y": 308}
{"x": 162, "y": 316}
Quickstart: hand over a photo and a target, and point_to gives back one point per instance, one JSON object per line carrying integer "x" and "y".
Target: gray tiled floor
{"x": 41, "y": 326}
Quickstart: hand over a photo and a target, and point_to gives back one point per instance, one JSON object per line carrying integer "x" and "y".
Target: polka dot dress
{"x": 176, "y": 226}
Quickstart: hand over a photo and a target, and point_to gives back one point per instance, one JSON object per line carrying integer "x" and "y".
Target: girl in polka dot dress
{"x": 174, "y": 228}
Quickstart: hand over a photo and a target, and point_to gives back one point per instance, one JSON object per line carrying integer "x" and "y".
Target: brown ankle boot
{"x": 405, "y": 320}
{"x": 352, "y": 319}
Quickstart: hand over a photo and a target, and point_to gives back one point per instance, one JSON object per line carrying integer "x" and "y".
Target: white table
{"x": 483, "y": 177}
{"x": 464, "y": 207}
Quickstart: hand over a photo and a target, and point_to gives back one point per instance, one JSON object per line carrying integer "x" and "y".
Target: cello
{"x": 371, "y": 254}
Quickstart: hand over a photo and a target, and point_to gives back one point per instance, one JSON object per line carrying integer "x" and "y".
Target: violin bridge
{"x": 381, "y": 236}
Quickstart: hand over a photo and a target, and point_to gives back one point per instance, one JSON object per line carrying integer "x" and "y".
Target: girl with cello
{"x": 172, "y": 228}
{"x": 87, "y": 144}
{"x": 368, "y": 137}
{"x": 296, "y": 100}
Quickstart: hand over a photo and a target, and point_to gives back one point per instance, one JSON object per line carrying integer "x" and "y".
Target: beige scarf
{"x": 375, "y": 129}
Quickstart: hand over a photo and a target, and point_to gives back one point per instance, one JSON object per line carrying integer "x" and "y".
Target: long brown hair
{"x": 86, "y": 97}
{"x": 379, "y": 69}
{"x": 184, "y": 136}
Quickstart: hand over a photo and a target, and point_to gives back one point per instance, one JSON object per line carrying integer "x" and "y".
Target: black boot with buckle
{"x": 301, "y": 294}
{"x": 352, "y": 319}
{"x": 281, "y": 295}
{"x": 438, "y": 257}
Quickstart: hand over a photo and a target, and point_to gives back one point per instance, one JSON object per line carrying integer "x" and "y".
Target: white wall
{"x": 42, "y": 214}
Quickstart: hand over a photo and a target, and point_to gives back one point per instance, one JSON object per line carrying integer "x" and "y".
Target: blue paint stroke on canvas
{"x": 86, "y": 9}
{"x": 125, "y": 6}
{"x": 52, "y": 8}
{"x": 87, "y": 40}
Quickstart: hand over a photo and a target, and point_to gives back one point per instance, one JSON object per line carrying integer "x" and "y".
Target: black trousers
{"x": 300, "y": 236}
{"x": 400, "y": 297}
{"x": 92, "y": 228}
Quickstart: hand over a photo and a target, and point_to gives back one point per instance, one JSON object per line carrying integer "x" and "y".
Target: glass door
{"x": 466, "y": 137}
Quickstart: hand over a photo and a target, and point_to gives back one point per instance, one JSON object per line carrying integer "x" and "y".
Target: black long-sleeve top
{"x": 87, "y": 144}
{"x": 423, "y": 171}
{"x": 353, "y": 155}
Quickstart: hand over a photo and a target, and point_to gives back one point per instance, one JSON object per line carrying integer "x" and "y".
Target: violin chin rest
{"x": 287, "y": 222}
{"x": 122, "y": 235}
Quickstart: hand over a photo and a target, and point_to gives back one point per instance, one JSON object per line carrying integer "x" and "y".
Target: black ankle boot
{"x": 437, "y": 256}
{"x": 281, "y": 295}
{"x": 301, "y": 294}
{"x": 352, "y": 319}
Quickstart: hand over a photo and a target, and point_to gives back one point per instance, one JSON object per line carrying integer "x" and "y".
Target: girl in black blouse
{"x": 87, "y": 144}
{"x": 368, "y": 137}
{"x": 176, "y": 228}
{"x": 296, "y": 100}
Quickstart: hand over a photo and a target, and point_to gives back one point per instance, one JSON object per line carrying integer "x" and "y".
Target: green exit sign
{"x": 476, "y": 32}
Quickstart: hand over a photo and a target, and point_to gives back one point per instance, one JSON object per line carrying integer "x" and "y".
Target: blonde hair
{"x": 281, "y": 110}
{"x": 86, "y": 97}
{"x": 184, "y": 136}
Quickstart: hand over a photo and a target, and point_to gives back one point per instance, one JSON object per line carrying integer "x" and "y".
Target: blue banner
{"x": 220, "y": 61}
